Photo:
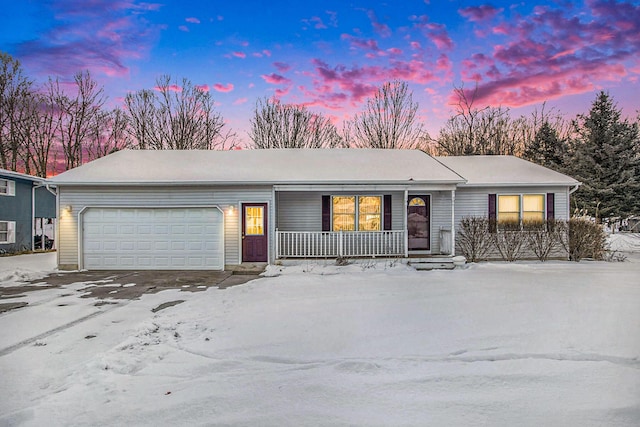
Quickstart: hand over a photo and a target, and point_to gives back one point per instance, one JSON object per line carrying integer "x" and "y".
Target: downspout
{"x": 33, "y": 213}
{"x": 453, "y": 223}
{"x": 571, "y": 191}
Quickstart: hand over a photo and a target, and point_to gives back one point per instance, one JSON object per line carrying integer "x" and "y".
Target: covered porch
{"x": 405, "y": 222}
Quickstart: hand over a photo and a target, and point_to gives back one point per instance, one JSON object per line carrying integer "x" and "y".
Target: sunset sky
{"x": 331, "y": 55}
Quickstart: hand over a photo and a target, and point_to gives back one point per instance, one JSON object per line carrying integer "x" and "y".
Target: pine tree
{"x": 606, "y": 159}
{"x": 546, "y": 149}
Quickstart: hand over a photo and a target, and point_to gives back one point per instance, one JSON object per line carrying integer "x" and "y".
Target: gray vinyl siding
{"x": 440, "y": 217}
{"x": 223, "y": 197}
{"x": 302, "y": 211}
{"x": 475, "y": 201}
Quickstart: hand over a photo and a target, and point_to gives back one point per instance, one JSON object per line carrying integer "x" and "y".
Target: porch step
{"x": 247, "y": 268}
{"x": 422, "y": 266}
{"x": 432, "y": 263}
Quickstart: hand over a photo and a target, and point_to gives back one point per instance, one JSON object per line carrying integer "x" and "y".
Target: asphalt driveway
{"x": 101, "y": 284}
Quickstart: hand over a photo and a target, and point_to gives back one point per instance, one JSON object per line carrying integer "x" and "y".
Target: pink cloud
{"x": 334, "y": 86}
{"x": 382, "y": 29}
{"x": 223, "y": 88}
{"x": 484, "y": 12}
{"x": 358, "y": 43}
{"x": 415, "y": 45}
{"x": 100, "y": 36}
{"x": 193, "y": 20}
{"x": 266, "y": 52}
{"x": 282, "y": 67}
{"x": 275, "y": 79}
{"x": 203, "y": 88}
{"x": 395, "y": 51}
{"x": 439, "y": 36}
{"x": 316, "y": 22}
{"x": 240, "y": 101}
{"x": 171, "y": 88}
{"x": 556, "y": 52}
{"x": 183, "y": 28}
{"x": 239, "y": 54}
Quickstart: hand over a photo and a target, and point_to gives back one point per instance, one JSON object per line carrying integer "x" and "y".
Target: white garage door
{"x": 153, "y": 238}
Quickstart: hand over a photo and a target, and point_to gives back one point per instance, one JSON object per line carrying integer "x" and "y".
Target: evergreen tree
{"x": 606, "y": 159}
{"x": 546, "y": 149}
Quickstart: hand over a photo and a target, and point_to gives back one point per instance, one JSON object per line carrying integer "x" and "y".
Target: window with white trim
{"x": 514, "y": 209}
{"x": 7, "y": 231}
{"x": 356, "y": 213}
{"x": 7, "y": 187}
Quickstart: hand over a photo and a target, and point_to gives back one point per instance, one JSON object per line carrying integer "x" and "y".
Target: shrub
{"x": 542, "y": 237}
{"x": 474, "y": 238}
{"x": 509, "y": 240}
{"x": 586, "y": 239}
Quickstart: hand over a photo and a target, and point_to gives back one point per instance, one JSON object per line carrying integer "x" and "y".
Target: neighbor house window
{"x": 516, "y": 209}
{"x": 7, "y": 232}
{"x": 361, "y": 213}
{"x": 7, "y": 188}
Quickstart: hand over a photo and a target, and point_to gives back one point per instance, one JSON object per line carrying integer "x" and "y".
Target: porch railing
{"x": 335, "y": 244}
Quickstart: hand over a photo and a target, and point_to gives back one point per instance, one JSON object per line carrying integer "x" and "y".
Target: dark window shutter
{"x": 387, "y": 211}
{"x": 326, "y": 213}
{"x": 551, "y": 205}
{"x": 493, "y": 217}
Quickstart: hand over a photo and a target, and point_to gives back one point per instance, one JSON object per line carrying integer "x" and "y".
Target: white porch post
{"x": 406, "y": 228}
{"x": 453, "y": 222}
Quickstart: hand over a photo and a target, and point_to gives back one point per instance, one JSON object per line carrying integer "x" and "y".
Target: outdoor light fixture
{"x": 230, "y": 210}
{"x": 68, "y": 208}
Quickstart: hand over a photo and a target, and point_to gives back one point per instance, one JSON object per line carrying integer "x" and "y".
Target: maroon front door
{"x": 254, "y": 232}
{"x": 418, "y": 223}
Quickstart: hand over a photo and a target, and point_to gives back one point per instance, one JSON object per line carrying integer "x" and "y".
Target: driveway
{"x": 118, "y": 284}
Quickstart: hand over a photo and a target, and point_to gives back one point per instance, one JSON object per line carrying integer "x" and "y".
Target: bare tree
{"x": 109, "y": 134}
{"x": 15, "y": 89}
{"x": 277, "y": 125}
{"x": 40, "y": 129}
{"x": 79, "y": 115}
{"x": 388, "y": 120}
{"x": 488, "y": 130}
{"x": 176, "y": 117}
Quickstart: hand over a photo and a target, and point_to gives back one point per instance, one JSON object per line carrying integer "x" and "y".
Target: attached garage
{"x": 172, "y": 238}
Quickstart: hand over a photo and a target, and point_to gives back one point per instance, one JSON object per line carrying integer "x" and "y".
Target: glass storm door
{"x": 254, "y": 232}
{"x": 418, "y": 223}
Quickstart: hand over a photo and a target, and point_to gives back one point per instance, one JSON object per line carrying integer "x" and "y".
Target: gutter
{"x": 33, "y": 212}
{"x": 574, "y": 189}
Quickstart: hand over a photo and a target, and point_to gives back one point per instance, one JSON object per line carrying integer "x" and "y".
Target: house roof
{"x": 4, "y": 173}
{"x": 501, "y": 171}
{"x": 275, "y": 166}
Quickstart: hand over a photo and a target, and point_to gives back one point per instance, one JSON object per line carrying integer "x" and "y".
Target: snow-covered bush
{"x": 474, "y": 239}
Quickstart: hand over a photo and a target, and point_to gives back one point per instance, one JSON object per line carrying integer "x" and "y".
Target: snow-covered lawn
{"x": 524, "y": 344}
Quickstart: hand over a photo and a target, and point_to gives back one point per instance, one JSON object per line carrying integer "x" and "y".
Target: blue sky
{"x": 332, "y": 55}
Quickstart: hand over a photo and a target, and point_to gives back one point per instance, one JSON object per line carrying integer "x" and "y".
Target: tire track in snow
{"x": 50, "y": 332}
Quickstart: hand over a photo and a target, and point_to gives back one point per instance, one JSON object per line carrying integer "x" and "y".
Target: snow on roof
{"x": 276, "y": 166}
{"x": 11, "y": 174}
{"x": 503, "y": 171}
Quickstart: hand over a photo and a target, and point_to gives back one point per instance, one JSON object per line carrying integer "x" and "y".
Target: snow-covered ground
{"x": 525, "y": 344}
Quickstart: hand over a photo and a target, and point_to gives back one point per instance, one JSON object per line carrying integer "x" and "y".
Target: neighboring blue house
{"x": 24, "y": 199}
